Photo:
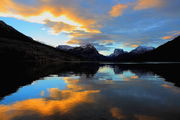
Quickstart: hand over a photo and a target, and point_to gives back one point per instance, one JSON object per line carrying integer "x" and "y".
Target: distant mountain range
{"x": 88, "y": 51}
{"x": 121, "y": 55}
{"x": 19, "y": 48}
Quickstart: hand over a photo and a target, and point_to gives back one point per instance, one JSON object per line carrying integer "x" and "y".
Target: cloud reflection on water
{"x": 109, "y": 94}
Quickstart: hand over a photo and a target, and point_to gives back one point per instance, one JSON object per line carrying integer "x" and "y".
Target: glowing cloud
{"x": 145, "y": 4}
{"x": 173, "y": 35}
{"x": 117, "y": 113}
{"x": 134, "y": 77}
{"x": 61, "y": 101}
{"x": 134, "y": 45}
{"x": 117, "y": 10}
{"x": 166, "y": 86}
{"x": 65, "y": 18}
{"x": 73, "y": 42}
{"x": 167, "y": 37}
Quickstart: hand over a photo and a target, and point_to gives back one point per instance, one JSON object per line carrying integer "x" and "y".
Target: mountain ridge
{"x": 87, "y": 51}
{"x": 18, "y": 48}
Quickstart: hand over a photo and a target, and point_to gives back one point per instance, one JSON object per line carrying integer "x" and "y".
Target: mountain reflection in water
{"x": 95, "y": 92}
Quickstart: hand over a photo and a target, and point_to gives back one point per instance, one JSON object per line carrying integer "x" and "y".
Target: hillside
{"x": 16, "y": 47}
{"x": 166, "y": 52}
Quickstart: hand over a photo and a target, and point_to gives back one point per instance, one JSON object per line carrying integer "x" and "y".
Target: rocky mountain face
{"x": 87, "y": 51}
{"x": 118, "y": 52}
{"x": 16, "y": 47}
{"x": 142, "y": 50}
{"x": 121, "y": 55}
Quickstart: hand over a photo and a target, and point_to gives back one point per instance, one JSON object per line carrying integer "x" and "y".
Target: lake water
{"x": 104, "y": 93}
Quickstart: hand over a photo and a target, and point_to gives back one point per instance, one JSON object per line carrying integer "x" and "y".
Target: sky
{"x": 107, "y": 24}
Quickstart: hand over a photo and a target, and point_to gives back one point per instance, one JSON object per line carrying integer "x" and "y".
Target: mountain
{"x": 87, "y": 51}
{"x": 16, "y": 47}
{"x": 118, "y": 52}
{"x": 65, "y": 47}
{"x": 142, "y": 50}
{"x": 166, "y": 52}
{"x": 121, "y": 55}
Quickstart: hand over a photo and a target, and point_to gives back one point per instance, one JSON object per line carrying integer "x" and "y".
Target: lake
{"x": 94, "y": 92}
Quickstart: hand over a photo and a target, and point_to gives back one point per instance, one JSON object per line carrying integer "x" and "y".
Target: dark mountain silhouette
{"x": 121, "y": 55}
{"x": 166, "y": 52}
{"x": 16, "y": 47}
{"x": 88, "y": 52}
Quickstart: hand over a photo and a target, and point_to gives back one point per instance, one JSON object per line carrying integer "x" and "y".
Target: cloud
{"x": 91, "y": 21}
{"x": 117, "y": 113}
{"x": 65, "y": 17}
{"x": 61, "y": 27}
{"x": 130, "y": 44}
{"x": 107, "y": 42}
{"x": 84, "y": 37}
{"x": 145, "y": 4}
{"x": 59, "y": 101}
{"x": 173, "y": 35}
{"x": 166, "y": 86}
{"x": 134, "y": 77}
{"x": 117, "y": 10}
{"x": 134, "y": 45}
{"x": 74, "y": 42}
{"x": 167, "y": 37}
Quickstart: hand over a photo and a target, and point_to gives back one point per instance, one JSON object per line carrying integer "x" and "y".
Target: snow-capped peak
{"x": 142, "y": 49}
{"x": 65, "y": 47}
{"x": 87, "y": 46}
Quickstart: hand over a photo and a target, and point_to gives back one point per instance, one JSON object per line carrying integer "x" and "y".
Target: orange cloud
{"x": 117, "y": 113}
{"x": 69, "y": 80}
{"x": 117, "y": 10}
{"x": 134, "y": 77}
{"x": 72, "y": 84}
{"x": 59, "y": 101}
{"x": 62, "y": 27}
{"x": 134, "y": 45}
{"x": 65, "y": 18}
{"x": 167, "y": 37}
{"x": 73, "y": 42}
{"x": 176, "y": 33}
{"x": 166, "y": 86}
{"x": 145, "y": 4}
{"x": 130, "y": 44}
